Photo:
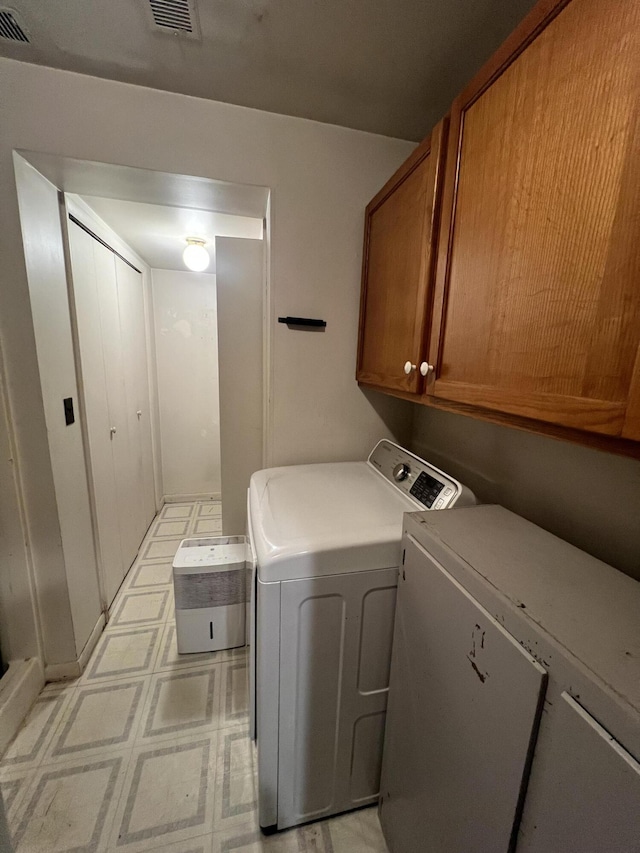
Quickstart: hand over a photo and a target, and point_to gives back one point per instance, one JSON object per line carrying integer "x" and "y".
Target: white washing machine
{"x": 325, "y": 541}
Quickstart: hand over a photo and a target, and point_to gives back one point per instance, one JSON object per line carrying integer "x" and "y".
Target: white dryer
{"x": 326, "y": 541}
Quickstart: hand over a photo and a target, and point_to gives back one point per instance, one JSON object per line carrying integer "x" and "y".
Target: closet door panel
{"x": 148, "y": 497}
{"x": 114, "y": 360}
{"x": 132, "y": 329}
{"x": 96, "y": 410}
{"x": 144, "y": 396}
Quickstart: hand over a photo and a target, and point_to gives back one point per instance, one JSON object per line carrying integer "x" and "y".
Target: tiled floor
{"x": 149, "y": 750}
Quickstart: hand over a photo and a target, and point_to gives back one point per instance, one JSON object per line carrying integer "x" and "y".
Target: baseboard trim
{"x": 62, "y": 671}
{"x": 177, "y": 499}
{"x": 19, "y": 688}
{"x": 90, "y": 645}
{"x": 74, "y": 668}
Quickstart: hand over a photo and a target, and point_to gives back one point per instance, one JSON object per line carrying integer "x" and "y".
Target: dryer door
{"x": 335, "y": 655}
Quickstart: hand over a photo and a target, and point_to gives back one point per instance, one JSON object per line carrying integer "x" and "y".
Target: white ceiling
{"x": 158, "y": 233}
{"x": 387, "y": 66}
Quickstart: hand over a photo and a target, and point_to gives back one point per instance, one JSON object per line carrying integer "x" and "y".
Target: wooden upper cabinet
{"x": 397, "y": 270}
{"x": 537, "y": 303}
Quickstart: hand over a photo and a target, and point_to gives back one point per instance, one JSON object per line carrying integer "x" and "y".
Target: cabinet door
{"x": 537, "y": 308}
{"x": 395, "y": 303}
{"x": 585, "y": 789}
{"x": 464, "y": 704}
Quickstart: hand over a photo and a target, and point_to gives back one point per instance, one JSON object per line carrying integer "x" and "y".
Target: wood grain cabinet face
{"x": 537, "y": 304}
{"x": 398, "y": 270}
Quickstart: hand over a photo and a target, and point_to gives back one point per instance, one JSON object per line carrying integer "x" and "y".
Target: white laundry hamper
{"x": 209, "y": 582}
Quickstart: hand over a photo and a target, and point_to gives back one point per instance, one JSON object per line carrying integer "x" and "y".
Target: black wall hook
{"x": 303, "y": 322}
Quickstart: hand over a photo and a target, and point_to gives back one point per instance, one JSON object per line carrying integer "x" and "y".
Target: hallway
{"x": 149, "y": 750}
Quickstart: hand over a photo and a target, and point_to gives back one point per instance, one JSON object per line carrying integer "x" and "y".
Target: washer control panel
{"x": 426, "y": 484}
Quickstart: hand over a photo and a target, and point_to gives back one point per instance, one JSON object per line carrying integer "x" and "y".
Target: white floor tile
{"x": 28, "y": 748}
{"x": 210, "y": 509}
{"x": 170, "y": 613}
{"x": 169, "y": 527}
{"x": 99, "y": 718}
{"x": 169, "y": 659}
{"x": 180, "y": 703}
{"x": 207, "y": 527}
{"x": 172, "y": 511}
{"x": 168, "y": 795}
{"x": 236, "y": 799}
{"x": 145, "y": 576}
{"x": 247, "y": 838}
{"x": 201, "y": 844}
{"x": 149, "y": 750}
{"x": 136, "y": 609}
{"x": 14, "y": 782}
{"x": 70, "y": 807}
{"x": 371, "y": 829}
{"x": 123, "y": 652}
{"x": 157, "y": 549}
{"x": 343, "y": 834}
{"x": 235, "y": 691}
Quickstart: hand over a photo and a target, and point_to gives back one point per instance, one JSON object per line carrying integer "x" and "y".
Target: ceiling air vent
{"x": 11, "y": 28}
{"x": 175, "y": 16}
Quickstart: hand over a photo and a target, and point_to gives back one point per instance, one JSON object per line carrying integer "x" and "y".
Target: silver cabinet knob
{"x": 113, "y": 430}
{"x": 139, "y": 413}
{"x": 408, "y": 367}
{"x": 425, "y": 368}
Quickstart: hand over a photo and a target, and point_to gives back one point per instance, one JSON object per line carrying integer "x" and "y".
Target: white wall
{"x": 66, "y": 574}
{"x": 186, "y": 339}
{"x": 585, "y": 496}
{"x": 19, "y": 621}
{"x": 321, "y": 179}
{"x": 240, "y": 267}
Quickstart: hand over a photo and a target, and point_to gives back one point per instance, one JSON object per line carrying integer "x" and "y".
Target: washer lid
{"x": 324, "y": 519}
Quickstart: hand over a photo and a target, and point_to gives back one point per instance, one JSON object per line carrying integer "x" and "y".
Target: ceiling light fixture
{"x": 195, "y": 256}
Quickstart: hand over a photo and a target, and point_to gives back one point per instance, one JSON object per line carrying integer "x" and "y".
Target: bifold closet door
{"x": 136, "y": 383}
{"x": 119, "y": 427}
{"x": 89, "y": 331}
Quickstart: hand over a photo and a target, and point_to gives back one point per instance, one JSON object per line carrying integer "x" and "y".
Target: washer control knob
{"x": 401, "y": 472}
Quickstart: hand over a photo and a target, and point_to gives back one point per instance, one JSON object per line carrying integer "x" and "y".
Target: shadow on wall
{"x": 587, "y": 497}
{"x": 394, "y": 413}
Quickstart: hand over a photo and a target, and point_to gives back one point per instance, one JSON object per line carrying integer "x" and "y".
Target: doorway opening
{"x": 154, "y": 376}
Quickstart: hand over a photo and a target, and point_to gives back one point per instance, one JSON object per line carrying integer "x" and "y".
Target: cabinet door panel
{"x": 585, "y": 789}
{"x": 400, "y": 227}
{"x": 464, "y": 703}
{"x": 537, "y": 286}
